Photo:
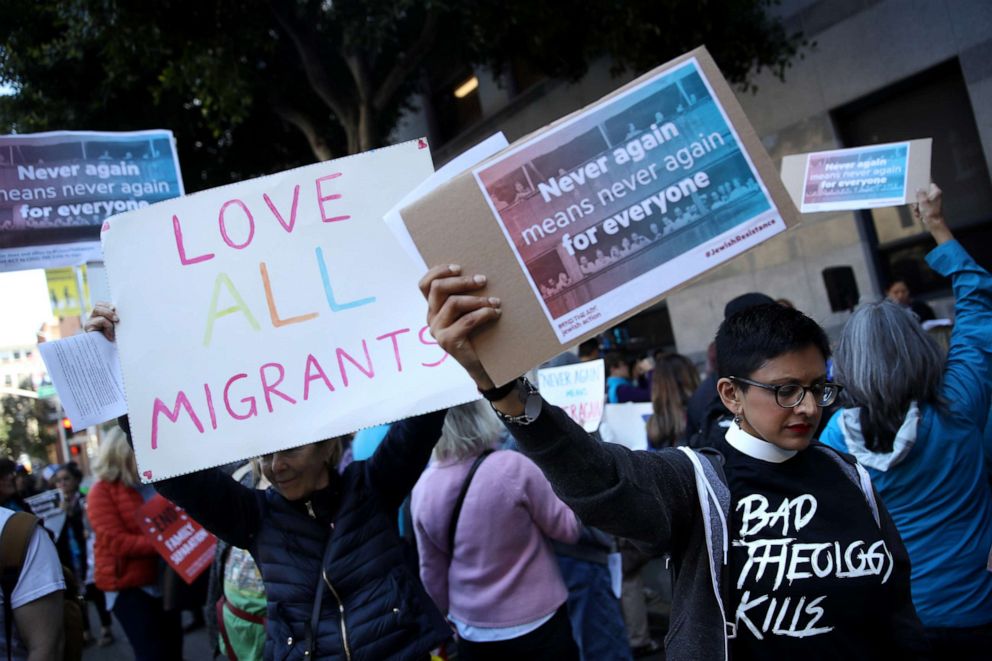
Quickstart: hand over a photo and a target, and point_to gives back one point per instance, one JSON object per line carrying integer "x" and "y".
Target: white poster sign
{"x": 273, "y": 313}
{"x": 626, "y": 424}
{"x": 578, "y": 389}
{"x": 47, "y": 506}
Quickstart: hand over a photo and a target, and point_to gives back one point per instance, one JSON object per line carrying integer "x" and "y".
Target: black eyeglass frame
{"x": 776, "y": 388}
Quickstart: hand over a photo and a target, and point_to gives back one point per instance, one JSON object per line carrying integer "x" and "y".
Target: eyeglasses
{"x": 791, "y": 395}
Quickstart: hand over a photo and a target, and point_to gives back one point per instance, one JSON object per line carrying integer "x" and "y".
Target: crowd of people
{"x": 520, "y": 534}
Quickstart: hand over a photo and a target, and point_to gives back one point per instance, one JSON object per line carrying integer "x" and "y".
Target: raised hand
{"x": 103, "y": 320}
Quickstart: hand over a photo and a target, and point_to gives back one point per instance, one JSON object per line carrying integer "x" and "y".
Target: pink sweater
{"x": 503, "y": 572}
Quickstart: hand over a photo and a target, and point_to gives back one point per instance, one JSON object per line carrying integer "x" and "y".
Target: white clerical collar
{"x": 754, "y": 447}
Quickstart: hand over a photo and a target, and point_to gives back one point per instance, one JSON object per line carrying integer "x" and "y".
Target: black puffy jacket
{"x": 373, "y": 605}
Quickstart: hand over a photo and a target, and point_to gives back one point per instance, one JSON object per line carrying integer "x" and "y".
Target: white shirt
{"x": 41, "y": 575}
{"x": 754, "y": 447}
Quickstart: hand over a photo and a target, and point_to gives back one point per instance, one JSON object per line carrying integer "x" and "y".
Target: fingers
{"x": 456, "y": 338}
{"x": 443, "y": 288}
{"x": 934, "y": 193}
{"x": 456, "y": 307}
{"x": 103, "y": 320}
{"x": 437, "y": 272}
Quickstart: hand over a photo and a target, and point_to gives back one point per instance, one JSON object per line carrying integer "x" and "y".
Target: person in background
{"x": 35, "y": 631}
{"x": 74, "y": 548}
{"x": 620, "y": 387}
{"x": 674, "y": 380}
{"x": 589, "y": 350}
{"x": 9, "y": 497}
{"x": 916, "y": 422}
{"x": 25, "y": 483}
{"x": 489, "y": 565}
{"x": 898, "y": 293}
{"x": 126, "y": 564}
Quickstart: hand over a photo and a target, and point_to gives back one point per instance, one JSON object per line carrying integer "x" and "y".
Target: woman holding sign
{"x": 340, "y": 583}
{"x": 780, "y": 547}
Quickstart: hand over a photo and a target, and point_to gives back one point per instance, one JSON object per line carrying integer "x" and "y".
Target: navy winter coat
{"x": 373, "y": 604}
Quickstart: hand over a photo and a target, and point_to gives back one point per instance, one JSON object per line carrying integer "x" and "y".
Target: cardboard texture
{"x": 456, "y": 224}
{"x": 796, "y": 172}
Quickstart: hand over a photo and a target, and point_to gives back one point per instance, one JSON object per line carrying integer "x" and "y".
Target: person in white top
{"x": 36, "y": 602}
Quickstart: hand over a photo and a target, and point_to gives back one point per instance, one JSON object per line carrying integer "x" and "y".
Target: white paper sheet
{"x": 86, "y": 372}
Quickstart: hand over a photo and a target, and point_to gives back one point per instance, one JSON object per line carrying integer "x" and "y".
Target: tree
{"x": 25, "y": 426}
{"x": 252, "y": 86}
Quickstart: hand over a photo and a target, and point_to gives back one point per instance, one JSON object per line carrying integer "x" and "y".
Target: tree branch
{"x": 316, "y": 72}
{"x": 318, "y": 145}
{"x": 408, "y": 62}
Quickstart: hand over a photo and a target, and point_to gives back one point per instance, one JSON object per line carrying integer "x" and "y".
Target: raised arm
{"x": 403, "y": 455}
{"x": 968, "y": 372}
{"x": 639, "y": 495}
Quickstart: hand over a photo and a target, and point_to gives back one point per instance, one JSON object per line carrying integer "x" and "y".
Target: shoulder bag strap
{"x": 461, "y": 500}
{"x": 14, "y": 543}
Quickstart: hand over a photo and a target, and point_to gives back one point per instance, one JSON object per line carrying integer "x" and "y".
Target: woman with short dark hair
{"x": 780, "y": 547}
{"x": 916, "y": 422}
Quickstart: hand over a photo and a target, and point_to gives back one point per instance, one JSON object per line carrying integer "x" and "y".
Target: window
{"x": 455, "y": 101}
{"x": 932, "y": 104}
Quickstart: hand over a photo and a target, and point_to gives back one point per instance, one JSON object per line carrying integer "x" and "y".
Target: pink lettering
{"x": 321, "y": 199}
{"x": 221, "y": 219}
{"x": 252, "y": 410}
{"x": 269, "y": 389}
{"x": 210, "y": 405}
{"x": 308, "y": 376}
{"x": 396, "y": 346}
{"x": 177, "y": 230}
{"x": 292, "y": 212}
{"x": 425, "y": 338}
{"x": 159, "y": 407}
{"x": 370, "y": 372}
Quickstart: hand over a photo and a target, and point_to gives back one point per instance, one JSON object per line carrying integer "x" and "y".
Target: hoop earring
{"x": 737, "y": 419}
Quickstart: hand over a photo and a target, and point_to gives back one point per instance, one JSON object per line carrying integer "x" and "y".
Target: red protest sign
{"x": 184, "y": 543}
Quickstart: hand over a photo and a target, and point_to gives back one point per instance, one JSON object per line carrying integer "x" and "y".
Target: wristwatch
{"x": 529, "y": 397}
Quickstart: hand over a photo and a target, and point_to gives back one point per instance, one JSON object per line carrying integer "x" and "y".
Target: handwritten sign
{"x": 181, "y": 541}
{"x": 601, "y": 214}
{"x": 56, "y": 189}
{"x": 578, "y": 389}
{"x": 859, "y": 178}
{"x": 273, "y": 313}
{"x": 626, "y": 424}
{"x": 47, "y": 506}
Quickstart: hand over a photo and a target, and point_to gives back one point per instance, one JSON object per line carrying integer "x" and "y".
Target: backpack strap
{"x": 856, "y": 473}
{"x": 14, "y": 543}
{"x": 461, "y": 499}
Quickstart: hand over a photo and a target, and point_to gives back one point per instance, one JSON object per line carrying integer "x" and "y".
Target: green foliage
{"x": 256, "y": 86}
{"x": 25, "y": 426}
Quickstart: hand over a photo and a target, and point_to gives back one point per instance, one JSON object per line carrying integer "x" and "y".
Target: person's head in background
{"x": 886, "y": 361}
{"x": 898, "y": 292}
{"x": 68, "y": 478}
{"x": 115, "y": 459}
{"x": 617, "y": 365}
{"x": 771, "y": 361}
{"x": 468, "y": 430}
{"x": 589, "y": 350}
{"x": 673, "y": 381}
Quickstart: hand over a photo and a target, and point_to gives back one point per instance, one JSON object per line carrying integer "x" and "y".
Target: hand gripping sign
{"x": 272, "y": 313}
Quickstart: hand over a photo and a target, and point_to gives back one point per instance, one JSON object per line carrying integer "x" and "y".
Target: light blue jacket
{"x": 934, "y": 482}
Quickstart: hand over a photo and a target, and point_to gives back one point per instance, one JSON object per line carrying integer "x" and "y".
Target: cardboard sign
{"x": 603, "y": 213}
{"x": 273, "y": 313}
{"x": 181, "y": 541}
{"x": 860, "y": 178}
{"x": 627, "y": 424}
{"x": 56, "y": 189}
{"x": 578, "y": 389}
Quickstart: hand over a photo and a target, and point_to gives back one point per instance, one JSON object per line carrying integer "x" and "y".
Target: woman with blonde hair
{"x": 126, "y": 565}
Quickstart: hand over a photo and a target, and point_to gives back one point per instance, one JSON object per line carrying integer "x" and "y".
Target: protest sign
{"x": 56, "y": 189}
{"x": 271, "y": 313}
{"x": 626, "y": 424}
{"x": 47, "y": 506}
{"x": 578, "y": 389}
{"x": 858, "y": 178}
{"x": 86, "y": 372}
{"x": 601, "y": 214}
{"x": 63, "y": 291}
{"x": 181, "y": 541}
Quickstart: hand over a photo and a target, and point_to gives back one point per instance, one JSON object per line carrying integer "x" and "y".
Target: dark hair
{"x": 751, "y": 337}
{"x": 7, "y": 467}
{"x": 614, "y": 359}
{"x": 674, "y": 380}
{"x": 72, "y": 468}
{"x": 589, "y": 348}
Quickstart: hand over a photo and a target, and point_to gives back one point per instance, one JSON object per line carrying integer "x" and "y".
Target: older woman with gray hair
{"x": 483, "y": 519}
{"x": 915, "y": 421}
